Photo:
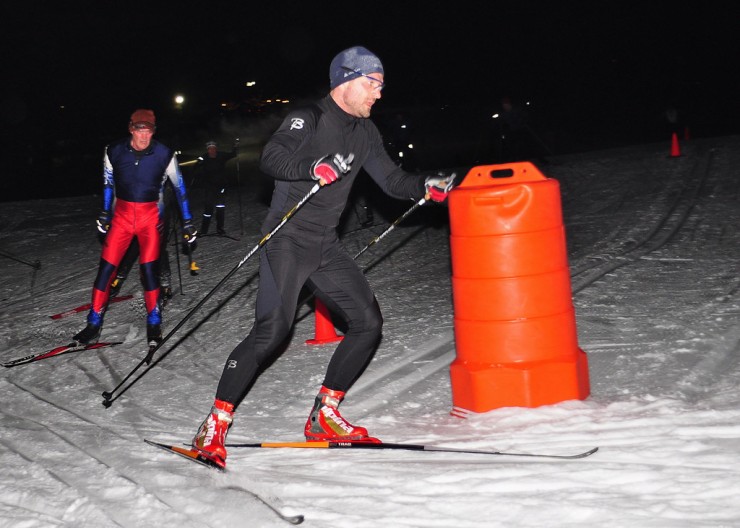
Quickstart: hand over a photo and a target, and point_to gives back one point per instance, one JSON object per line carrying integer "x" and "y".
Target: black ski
{"x": 409, "y": 447}
{"x": 58, "y": 351}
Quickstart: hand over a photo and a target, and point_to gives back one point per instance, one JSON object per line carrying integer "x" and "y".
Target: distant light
{"x": 286, "y": 101}
{"x": 179, "y": 99}
{"x": 495, "y": 116}
{"x": 411, "y": 145}
{"x": 249, "y": 84}
{"x": 61, "y": 107}
{"x": 400, "y": 154}
{"x": 403, "y": 126}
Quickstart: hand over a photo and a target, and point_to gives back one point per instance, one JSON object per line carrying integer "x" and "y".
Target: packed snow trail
{"x": 660, "y": 329}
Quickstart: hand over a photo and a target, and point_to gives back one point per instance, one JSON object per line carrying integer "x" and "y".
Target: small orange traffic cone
{"x": 324, "y": 332}
{"x": 675, "y": 148}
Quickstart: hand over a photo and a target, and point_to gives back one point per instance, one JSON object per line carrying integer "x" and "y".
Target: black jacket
{"x": 309, "y": 133}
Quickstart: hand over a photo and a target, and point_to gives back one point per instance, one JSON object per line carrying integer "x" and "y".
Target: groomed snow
{"x": 654, "y": 247}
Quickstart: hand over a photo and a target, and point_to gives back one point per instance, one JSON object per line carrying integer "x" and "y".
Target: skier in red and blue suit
{"x": 135, "y": 171}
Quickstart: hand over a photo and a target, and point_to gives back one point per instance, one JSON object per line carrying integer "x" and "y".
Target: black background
{"x": 597, "y": 74}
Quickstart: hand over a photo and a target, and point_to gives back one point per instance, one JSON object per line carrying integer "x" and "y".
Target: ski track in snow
{"x": 653, "y": 248}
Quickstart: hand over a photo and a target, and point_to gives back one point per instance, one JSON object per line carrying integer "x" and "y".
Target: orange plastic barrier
{"x": 515, "y": 327}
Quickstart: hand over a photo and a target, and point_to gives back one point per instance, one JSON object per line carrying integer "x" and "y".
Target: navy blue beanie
{"x": 351, "y": 63}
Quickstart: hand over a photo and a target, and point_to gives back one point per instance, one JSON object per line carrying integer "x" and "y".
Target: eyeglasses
{"x": 376, "y": 84}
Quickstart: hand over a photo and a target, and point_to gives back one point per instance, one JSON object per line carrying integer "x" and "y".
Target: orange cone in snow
{"x": 324, "y": 332}
{"x": 675, "y": 148}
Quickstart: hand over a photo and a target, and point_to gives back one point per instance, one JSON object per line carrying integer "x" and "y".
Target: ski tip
{"x": 292, "y": 519}
{"x": 584, "y": 454}
{"x": 189, "y": 454}
{"x": 589, "y": 452}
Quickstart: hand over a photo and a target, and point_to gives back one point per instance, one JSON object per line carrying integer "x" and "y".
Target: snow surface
{"x": 654, "y": 246}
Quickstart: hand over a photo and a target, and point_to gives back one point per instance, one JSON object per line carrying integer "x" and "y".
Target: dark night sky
{"x": 586, "y": 64}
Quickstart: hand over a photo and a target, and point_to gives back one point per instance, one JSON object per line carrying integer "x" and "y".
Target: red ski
{"x": 58, "y": 351}
{"x": 86, "y": 307}
{"x": 190, "y": 454}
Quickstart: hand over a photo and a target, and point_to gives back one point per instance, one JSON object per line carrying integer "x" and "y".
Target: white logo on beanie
{"x": 296, "y": 123}
{"x": 351, "y": 63}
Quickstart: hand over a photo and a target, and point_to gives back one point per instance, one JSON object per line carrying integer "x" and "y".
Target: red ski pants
{"x": 130, "y": 219}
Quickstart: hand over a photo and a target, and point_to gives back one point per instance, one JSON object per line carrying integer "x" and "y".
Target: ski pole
{"x": 376, "y": 239}
{"x": 392, "y": 226}
{"x": 173, "y": 232}
{"x": 192, "y": 266}
{"x": 108, "y": 396}
{"x": 35, "y": 265}
{"x": 239, "y": 189}
{"x": 450, "y": 182}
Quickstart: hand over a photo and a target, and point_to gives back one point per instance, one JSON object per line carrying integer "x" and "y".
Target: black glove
{"x": 330, "y": 168}
{"x": 103, "y": 222}
{"x": 189, "y": 232}
{"x": 438, "y": 187}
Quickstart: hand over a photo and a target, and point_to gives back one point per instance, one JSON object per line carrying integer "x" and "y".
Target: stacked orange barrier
{"x": 515, "y": 327}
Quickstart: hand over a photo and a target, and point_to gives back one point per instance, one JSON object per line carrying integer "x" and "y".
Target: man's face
{"x": 357, "y": 97}
{"x": 141, "y": 137}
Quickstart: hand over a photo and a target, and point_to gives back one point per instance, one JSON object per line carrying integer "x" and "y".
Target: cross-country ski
{"x": 58, "y": 351}
{"x": 407, "y": 447}
{"x": 86, "y": 307}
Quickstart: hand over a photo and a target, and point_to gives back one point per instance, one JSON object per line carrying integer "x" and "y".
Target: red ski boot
{"x": 326, "y": 424}
{"x": 211, "y": 436}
